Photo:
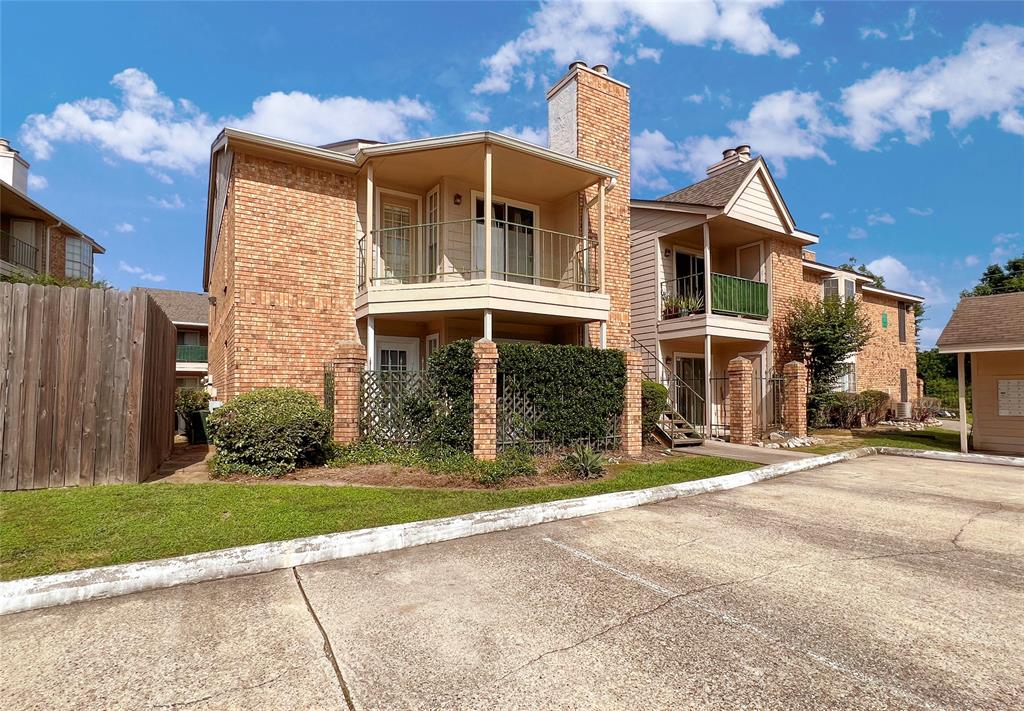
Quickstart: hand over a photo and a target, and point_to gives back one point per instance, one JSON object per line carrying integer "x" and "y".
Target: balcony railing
{"x": 454, "y": 251}
{"x": 730, "y": 295}
{"x": 191, "y": 354}
{"x": 21, "y": 254}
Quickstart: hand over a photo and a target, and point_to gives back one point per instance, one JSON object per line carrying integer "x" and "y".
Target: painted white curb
{"x": 110, "y": 581}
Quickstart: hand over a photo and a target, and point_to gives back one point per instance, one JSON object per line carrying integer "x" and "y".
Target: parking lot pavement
{"x": 877, "y": 583}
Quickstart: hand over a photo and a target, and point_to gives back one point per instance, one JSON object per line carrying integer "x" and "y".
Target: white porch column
{"x": 707, "y": 269}
{"x": 488, "y": 325}
{"x": 600, "y": 246}
{"x": 707, "y": 369}
{"x": 961, "y": 389}
{"x": 604, "y": 334}
{"x": 487, "y": 211}
{"x": 368, "y": 243}
{"x": 371, "y": 343}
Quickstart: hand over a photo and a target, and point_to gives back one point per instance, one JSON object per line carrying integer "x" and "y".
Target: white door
{"x": 398, "y": 354}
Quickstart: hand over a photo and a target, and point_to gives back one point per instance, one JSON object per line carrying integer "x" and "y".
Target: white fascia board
{"x": 896, "y": 294}
{"x": 981, "y": 347}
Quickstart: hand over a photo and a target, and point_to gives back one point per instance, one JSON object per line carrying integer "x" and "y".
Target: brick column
{"x": 631, "y": 425}
{"x": 485, "y": 400}
{"x": 349, "y": 363}
{"x": 795, "y": 408}
{"x": 741, "y": 408}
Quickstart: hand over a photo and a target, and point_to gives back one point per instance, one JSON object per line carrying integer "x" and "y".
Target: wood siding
{"x": 756, "y": 206}
{"x": 993, "y": 432}
{"x": 86, "y": 386}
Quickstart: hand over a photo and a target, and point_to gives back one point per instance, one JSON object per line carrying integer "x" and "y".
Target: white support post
{"x": 707, "y": 379}
{"x": 604, "y": 335}
{"x": 369, "y": 232}
{"x": 487, "y": 211}
{"x": 707, "y": 269}
{"x": 961, "y": 389}
{"x": 371, "y": 343}
{"x": 600, "y": 240}
{"x": 488, "y": 325}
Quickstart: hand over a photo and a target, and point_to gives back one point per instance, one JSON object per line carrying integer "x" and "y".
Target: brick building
{"x": 382, "y": 252}
{"x": 715, "y": 270}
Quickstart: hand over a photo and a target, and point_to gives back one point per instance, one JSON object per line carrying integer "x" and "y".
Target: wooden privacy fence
{"x": 86, "y": 386}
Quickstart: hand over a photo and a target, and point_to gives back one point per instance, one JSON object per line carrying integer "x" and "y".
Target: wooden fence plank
{"x": 10, "y": 438}
{"x": 105, "y": 390}
{"x": 119, "y": 389}
{"x": 65, "y": 352}
{"x": 33, "y": 341}
{"x": 76, "y": 396}
{"x": 47, "y": 385}
{"x": 92, "y": 373}
{"x": 139, "y": 309}
{"x": 6, "y": 343}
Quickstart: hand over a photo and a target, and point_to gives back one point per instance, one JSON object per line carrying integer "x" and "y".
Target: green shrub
{"x": 844, "y": 410}
{"x": 583, "y": 462}
{"x": 436, "y": 459}
{"x": 452, "y": 369}
{"x": 18, "y": 277}
{"x": 269, "y": 432}
{"x": 654, "y": 398}
{"x": 875, "y": 405}
{"x": 188, "y": 400}
{"x": 510, "y": 463}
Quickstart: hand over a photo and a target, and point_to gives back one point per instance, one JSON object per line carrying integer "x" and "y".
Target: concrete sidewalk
{"x": 876, "y": 583}
{"x": 760, "y": 455}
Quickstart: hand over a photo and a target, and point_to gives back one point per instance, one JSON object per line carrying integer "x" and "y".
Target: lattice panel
{"x": 399, "y": 407}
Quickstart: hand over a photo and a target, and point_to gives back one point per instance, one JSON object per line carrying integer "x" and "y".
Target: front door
{"x": 398, "y": 354}
{"x": 690, "y": 393}
{"x": 396, "y": 243}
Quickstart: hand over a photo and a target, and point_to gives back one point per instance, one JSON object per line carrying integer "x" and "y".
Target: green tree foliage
{"x": 654, "y": 398}
{"x": 938, "y": 371}
{"x": 826, "y": 333}
{"x": 18, "y": 277}
{"x": 998, "y": 279}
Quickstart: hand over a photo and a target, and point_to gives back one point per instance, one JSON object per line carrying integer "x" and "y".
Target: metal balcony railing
{"x": 454, "y": 251}
{"x": 14, "y": 251}
{"x": 730, "y": 295}
{"x": 191, "y": 354}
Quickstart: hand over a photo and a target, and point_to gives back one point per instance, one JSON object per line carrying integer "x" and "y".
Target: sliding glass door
{"x": 512, "y": 242}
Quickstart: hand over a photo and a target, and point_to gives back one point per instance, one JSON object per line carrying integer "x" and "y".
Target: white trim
{"x": 474, "y": 194}
{"x": 895, "y": 294}
{"x": 434, "y": 338}
{"x": 410, "y": 344}
{"x": 414, "y": 257}
{"x": 194, "y": 324}
{"x": 981, "y": 347}
{"x": 787, "y": 219}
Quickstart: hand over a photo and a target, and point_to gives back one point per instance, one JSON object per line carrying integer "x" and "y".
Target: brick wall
{"x": 603, "y": 137}
{"x": 879, "y": 364}
{"x": 285, "y": 291}
{"x": 787, "y": 286}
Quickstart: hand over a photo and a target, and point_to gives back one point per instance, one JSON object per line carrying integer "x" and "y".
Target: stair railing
{"x": 649, "y": 356}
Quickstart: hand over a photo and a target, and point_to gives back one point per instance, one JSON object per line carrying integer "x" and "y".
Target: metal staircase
{"x": 673, "y": 429}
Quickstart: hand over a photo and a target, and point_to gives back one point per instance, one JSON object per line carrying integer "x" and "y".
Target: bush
{"x": 452, "y": 368}
{"x": 844, "y": 410}
{"x": 583, "y": 462}
{"x": 875, "y": 405}
{"x": 510, "y": 463}
{"x": 435, "y": 459}
{"x": 18, "y": 277}
{"x": 188, "y": 400}
{"x": 269, "y": 432}
{"x": 925, "y": 408}
{"x": 654, "y": 398}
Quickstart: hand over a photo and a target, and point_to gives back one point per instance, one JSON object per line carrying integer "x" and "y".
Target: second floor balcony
{"x": 191, "y": 354}
{"x": 18, "y": 253}
{"x": 730, "y": 296}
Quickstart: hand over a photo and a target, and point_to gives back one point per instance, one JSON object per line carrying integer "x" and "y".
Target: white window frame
{"x": 841, "y": 283}
{"x": 414, "y": 257}
{"x": 760, "y": 253}
{"x": 86, "y": 251}
{"x": 410, "y": 344}
{"x": 432, "y": 344}
{"x": 475, "y": 195}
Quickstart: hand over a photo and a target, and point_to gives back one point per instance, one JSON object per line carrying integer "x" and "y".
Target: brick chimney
{"x": 588, "y": 117}
{"x": 13, "y": 168}
{"x": 730, "y": 157}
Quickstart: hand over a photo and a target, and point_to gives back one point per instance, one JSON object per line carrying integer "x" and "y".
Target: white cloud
{"x": 147, "y": 127}
{"x": 985, "y": 78}
{"x": 971, "y": 261}
{"x": 563, "y": 31}
{"x": 652, "y": 154}
{"x": 479, "y": 114}
{"x": 925, "y": 212}
{"x": 872, "y": 33}
{"x": 857, "y": 233}
{"x": 160, "y": 176}
{"x": 908, "y": 25}
{"x": 141, "y": 272}
{"x": 124, "y": 227}
{"x": 649, "y": 53}
{"x": 536, "y": 135}
{"x": 819, "y": 18}
{"x": 927, "y": 336}
{"x": 829, "y": 62}
{"x": 826, "y": 216}
{"x": 880, "y": 218}
{"x": 1007, "y": 246}
{"x": 37, "y": 182}
{"x": 901, "y": 278}
{"x": 174, "y": 202}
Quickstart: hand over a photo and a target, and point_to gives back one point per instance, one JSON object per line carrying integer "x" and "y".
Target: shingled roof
{"x": 986, "y": 320}
{"x": 182, "y": 306}
{"x": 715, "y": 191}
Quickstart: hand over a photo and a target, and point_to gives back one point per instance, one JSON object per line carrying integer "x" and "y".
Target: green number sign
{"x": 885, "y": 320}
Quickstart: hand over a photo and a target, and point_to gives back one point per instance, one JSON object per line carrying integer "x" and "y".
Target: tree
{"x": 1000, "y": 280}
{"x": 826, "y": 333}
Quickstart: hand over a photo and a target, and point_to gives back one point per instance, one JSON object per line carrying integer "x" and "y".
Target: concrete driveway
{"x": 878, "y": 583}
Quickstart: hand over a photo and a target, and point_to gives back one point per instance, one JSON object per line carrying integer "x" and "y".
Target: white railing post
{"x": 600, "y": 236}
{"x": 487, "y": 211}
{"x": 707, "y": 269}
{"x": 369, "y": 228}
{"x": 371, "y": 343}
{"x": 488, "y": 325}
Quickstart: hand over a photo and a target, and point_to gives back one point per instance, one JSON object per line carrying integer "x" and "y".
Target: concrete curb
{"x": 110, "y": 581}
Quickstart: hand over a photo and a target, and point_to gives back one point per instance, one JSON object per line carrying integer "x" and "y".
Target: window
{"x": 832, "y": 287}
{"x": 77, "y": 258}
{"x": 847, "y": 381}
{"x": 397, "y": 243}
{"x": 902, "y": 309}
{"x": 511, "y": 241}
{"x": 904, "y": 389}
{"x": 849, "y": 289}
{"x": 392, "y": 359}
{"x": 433, "y": 343}
{"x": 432, "y": 233}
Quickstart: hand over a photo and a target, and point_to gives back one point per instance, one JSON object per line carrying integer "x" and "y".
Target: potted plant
{"x": 691, "y": 304}
{"x": 671, "y": 306}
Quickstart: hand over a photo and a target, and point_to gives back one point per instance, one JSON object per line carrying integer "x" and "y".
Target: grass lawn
{"x": 55, "y": 530}
{"x": 931, "y": 438}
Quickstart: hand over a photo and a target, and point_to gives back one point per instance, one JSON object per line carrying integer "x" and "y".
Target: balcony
{"x": 191, "y": 354}
{"x": 730, "y": 296}
{"x": 21, "y": 254}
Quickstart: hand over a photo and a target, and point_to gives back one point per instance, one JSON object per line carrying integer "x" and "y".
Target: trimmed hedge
{"x": 654, "y": 398}
{"x": 452, "y": 368}
{"x": 269, "y": 432}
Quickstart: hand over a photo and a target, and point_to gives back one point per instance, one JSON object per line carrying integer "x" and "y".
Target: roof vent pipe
{"x": 728, "y": 153}
{"x": 743, "y": 149}
{"x": 577, "y": 64}
{"x": 601, "y": 69}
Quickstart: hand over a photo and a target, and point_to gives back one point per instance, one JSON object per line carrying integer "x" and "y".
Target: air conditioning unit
{"x": 904, "y": 411}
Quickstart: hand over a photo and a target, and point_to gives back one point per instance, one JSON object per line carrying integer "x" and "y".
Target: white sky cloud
{"x": 124, "y": 227}
{"x": 531, "y": 134}
{"x": 826, "y": 216}
{"x": 1007, "y": 246}
{"x": 566, "y": 30}
{"x": 161, "y": 176}
{"x": 880, "y": 218}
{"x": 37, "y": 182}
{"x": 172, "y": 202}
{"x": 920, "y": 212}
{"x": 901, "y": 278}
{"x": 971, "y": 261}
{"x": 872, "y": 33}
{"x": 479, "y": 114}
{"x": 142, "y": 273}
{"x": 819, "y": 18}
{"x": 147, "y": 127}
{"x": 857, "y": 233}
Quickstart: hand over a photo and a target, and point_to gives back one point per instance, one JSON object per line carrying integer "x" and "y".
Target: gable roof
{"x": 985, "y": 323}
{"x": 183, "y": 307}
{"x": 716, "y": 191}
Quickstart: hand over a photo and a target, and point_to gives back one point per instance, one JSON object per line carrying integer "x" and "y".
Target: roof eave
{"x": 899, "y": 294}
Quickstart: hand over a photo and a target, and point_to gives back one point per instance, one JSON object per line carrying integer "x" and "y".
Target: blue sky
{"x": 895, "y": 130}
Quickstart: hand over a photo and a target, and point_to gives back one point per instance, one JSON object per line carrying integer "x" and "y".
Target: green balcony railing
{"x": 739, "y": 297}
{"x": 191, "y": 354}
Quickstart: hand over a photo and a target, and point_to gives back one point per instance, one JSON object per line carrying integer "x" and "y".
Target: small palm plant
{"x": 583, "y": 462}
